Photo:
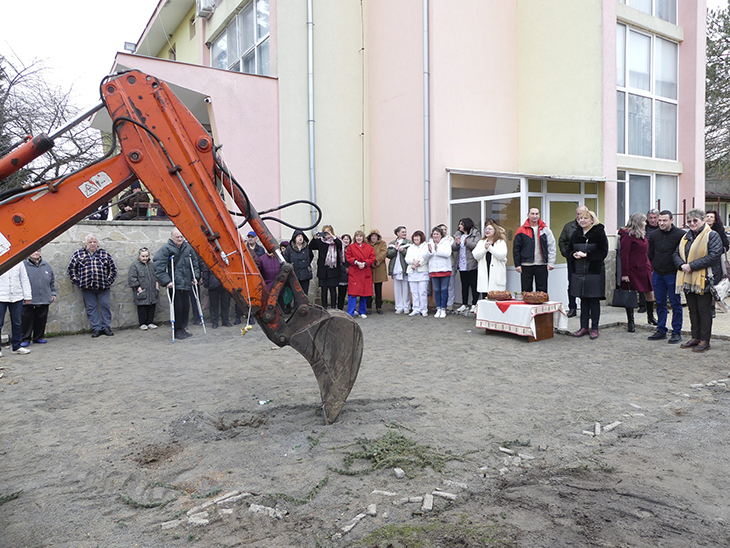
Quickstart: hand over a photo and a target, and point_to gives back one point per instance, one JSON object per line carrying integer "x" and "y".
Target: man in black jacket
{"x": 662, "y": 244}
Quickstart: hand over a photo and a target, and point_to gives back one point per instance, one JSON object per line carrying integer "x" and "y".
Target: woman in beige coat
{"x": 491, "y": 256}
{"x": 380, "y": 271}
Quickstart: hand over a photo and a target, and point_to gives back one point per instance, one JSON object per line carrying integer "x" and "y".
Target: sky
{"x": 75, "y": 40}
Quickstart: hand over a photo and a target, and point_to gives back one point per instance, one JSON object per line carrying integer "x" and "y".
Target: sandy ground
{"x": 93, "y": 430}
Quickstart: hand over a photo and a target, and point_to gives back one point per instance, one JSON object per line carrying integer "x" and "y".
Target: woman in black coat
{"x": 589, "y": 248}
{"x": 329, "y": 261}
{"x": 300, "y": 256}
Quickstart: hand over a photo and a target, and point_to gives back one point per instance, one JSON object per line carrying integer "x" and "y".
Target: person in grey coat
{"x": 186, "y": 273}
{"x": 141, "y": 279}
{"x": 43, "y": 287}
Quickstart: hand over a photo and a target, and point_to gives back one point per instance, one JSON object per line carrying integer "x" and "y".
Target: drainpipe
{"x": 426, "y": 132}
{"x": 310, "y": 75}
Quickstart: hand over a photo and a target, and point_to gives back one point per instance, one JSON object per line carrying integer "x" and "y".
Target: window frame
{"x": 261, "y": 42}
{"x": 628, "y": 90}
{"x": 625, "y": 192}
{"x": 654, "y": 9}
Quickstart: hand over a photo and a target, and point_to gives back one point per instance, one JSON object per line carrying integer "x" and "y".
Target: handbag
{"x": 625, "y": 298}
{"x": 720, "y": 291}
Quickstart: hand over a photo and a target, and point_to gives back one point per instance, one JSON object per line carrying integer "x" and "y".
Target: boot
{"x": 650, "y": 319}
{"x": 642, "y": 303}
{"x": 630, "y": 326}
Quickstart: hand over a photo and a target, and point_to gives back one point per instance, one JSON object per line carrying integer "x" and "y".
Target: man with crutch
{"x": 176, "y": 266}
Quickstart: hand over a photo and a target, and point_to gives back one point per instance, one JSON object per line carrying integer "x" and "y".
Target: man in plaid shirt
{"x": 93, "y": 270}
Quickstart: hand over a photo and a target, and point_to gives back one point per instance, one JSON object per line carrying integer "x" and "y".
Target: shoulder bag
{"x": 623, "y": 298}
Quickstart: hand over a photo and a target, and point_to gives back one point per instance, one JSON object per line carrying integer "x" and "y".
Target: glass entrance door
{"x": 560, "y": 212}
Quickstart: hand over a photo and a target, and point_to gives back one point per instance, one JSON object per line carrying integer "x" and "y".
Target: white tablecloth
{"x": 518, "y": 318}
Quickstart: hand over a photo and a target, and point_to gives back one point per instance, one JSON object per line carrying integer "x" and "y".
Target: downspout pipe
{"x": 310, "y": 78}
{"x": 426, "y": 124}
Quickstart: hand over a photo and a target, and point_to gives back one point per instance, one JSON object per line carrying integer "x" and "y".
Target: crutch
{"x": 194, "y": 287}
{"x": 172, "y": 299}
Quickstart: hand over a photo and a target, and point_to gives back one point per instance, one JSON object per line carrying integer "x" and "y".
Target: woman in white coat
{"x": 439, "y": 269}
{"x": 417, "y": 261}
{"x": 491, "y": 256}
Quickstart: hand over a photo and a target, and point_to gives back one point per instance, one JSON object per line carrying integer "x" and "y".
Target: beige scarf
{"x": 693, "y": 282}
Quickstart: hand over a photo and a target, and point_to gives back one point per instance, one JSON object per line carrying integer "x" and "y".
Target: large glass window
{"x": 647, "y": 103}
{"x": 244, "y": 45}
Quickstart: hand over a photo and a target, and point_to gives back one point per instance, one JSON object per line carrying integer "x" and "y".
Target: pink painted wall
{"x": 474, "y": 100}
{"x": 473, "y": 96}
{"x": 246, "y": 113}
{"x": 395, "y": 63}
{"x": 691, "y": 123}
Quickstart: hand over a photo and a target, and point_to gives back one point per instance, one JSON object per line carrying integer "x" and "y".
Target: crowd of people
{"x": 655, "y": 258}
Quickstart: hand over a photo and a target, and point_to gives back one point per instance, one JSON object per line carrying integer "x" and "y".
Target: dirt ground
{"x": 111, "y": 442}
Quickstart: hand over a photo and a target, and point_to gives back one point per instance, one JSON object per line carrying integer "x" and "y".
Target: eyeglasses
{"x": 693, "y": 221}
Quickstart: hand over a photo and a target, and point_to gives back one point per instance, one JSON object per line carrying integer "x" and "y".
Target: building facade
{"x": 418, "y": 112}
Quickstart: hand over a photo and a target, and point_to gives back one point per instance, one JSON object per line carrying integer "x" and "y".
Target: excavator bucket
{"x": 332, "y": 344}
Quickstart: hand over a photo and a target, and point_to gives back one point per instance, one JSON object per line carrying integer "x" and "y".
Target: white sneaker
{"x": 399, "y": 311}
{"x": 414, "y": 313}
{"x": 21, "y": 350}
{"x": 363, "y": 316}
{"x": 461, "y": 309}
{"x": 473, "y": 310}
{"x": 355, "y": 315}
{"x": 152, "y": 326}
{"x": 143, "y": 327}
{"x": 424, "y": 313}
{"x": 443, "y": 313}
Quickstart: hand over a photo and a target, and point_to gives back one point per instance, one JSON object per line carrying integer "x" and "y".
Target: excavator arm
{"x": 165, "y": 147}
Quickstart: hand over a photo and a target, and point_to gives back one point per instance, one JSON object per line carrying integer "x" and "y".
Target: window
{"x": 647, "y": 77}
{"x": 643, "y": 191}
{"x": 244, "y": 44}
{"x": 663, "y": 9}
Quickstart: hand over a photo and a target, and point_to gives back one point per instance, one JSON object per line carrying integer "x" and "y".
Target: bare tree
{"x": 30, "y": 106}
{"x": 717, "y": 107}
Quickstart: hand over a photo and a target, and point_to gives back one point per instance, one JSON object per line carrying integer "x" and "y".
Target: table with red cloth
{"x": 521, "y": 318}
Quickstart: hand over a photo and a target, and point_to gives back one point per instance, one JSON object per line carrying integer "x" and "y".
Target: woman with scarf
{"x": 465, "y": 240}
{"x": 361, "y": 258}
{"x": 589, "y": 247}
{"x": 329, "y": 260}
{"x": 397, "y": 267}
{"x": 636, "y": 269}
{"x": 697, "y": 259}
